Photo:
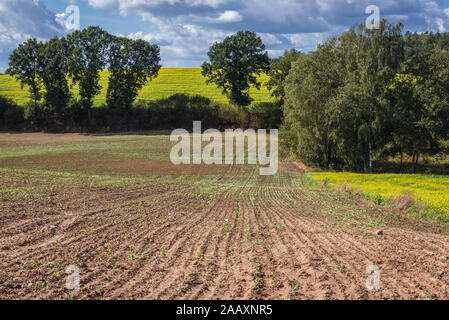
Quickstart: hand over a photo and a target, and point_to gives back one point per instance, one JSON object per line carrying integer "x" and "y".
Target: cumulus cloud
{"x": 186, "y": 28}
{"x": 182, "y": 46}
{"x": 230, "y": 16}
{"x": 281, "y": 16}
{"x": 23, "y": 19}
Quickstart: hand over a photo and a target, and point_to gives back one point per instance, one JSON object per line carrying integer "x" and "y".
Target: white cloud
{"x": 105, "y": 4}
{"x": 185, "y": 29}
{"x": 24, "y": 19}
{"x": 230, "y": 16}
{"x": 270, "y": 39}
{"x": 182, "y": 46}
{"x": 446, "y": 11}
{"x": 28, "y": 18}
{"x": 435, "y": 17}
{"x": 188, "y": 27}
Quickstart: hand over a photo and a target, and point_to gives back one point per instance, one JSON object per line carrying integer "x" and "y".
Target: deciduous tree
{"x": 25, "y": 63}
{"x": 132, "y": 63}
{"x": 235, "y": 64}
{"x": 88, "y": 55}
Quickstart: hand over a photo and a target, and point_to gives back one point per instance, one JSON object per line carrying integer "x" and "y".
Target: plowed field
{"x": 138, "y": 227}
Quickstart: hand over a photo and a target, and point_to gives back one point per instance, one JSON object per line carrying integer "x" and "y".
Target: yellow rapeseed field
{"x": 432, "y": 190}
{"x": 170, "y": 81}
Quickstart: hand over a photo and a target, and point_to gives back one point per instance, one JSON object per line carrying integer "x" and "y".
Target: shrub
{"x": 140, "y": 119}
{"x": 232, "y": 116}
{"x": 100, "y": 118}
{"x": 179, "y": 111}
{"x": 37, "y": 115}
{"x": 11, "y": 115}
{"x": 14, "y": 118}
{"x": 4, "y": 105}
{"x": 265, "y": 115}
{"x": 176, "y": 111}
{"x": 76, "y": 113}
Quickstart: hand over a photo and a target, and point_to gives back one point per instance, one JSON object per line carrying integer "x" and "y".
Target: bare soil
{"x": 240, "y": 237}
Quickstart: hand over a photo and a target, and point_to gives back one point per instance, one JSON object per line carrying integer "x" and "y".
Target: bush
{"x": 14, "y": 118}
{"x": 266, "y": 115}
{"x": 444, "y": 145}
{"x": 176, "y": 111}
{"x": 140, "y": 118}
{"x": 202, "y": 108}
{"x": 11, "y": 115}
{"x": 179, "y": 111}
{"x": 5, "y": 103}
{"x": 78, "y": 115}
{"x": 100, "y": 118}
{"x": 38, "y": 116}
{"x": 232, "y": 116}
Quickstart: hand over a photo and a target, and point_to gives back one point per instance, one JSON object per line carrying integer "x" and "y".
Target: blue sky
{"x": 185, "y": 29}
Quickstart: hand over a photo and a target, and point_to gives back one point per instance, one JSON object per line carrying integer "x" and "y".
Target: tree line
{"x": 46, "y": 67}
{"x": 368, "y": 94}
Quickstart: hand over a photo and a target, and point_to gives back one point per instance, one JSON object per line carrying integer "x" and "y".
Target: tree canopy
{"x": 89, "y": 54}
{"x": 131, "y": 63}
{"x": 234, "y": 65}
{"x": 25, "y": 64}
{"x": 45, "y": 66}
{"x": 359, "y": 96}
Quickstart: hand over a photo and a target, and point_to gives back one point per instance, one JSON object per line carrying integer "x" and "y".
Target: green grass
{"x": 170, "y": 81}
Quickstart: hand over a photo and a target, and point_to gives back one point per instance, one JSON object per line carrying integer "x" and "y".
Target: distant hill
{"x": 170, "y": 81}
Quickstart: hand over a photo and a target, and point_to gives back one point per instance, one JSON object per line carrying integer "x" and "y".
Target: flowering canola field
{"x": 170, "y": 81}
{"x": 432, "y": 190}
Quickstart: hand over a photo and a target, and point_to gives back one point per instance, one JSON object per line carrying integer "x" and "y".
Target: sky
{"x": 185, "y": 29}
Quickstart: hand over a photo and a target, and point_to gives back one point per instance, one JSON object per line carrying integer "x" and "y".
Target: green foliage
{"x": 279, "y": 70}
{"x": 88, "y": 55}
{"x": 5, "y": 103}
{"x": 36, "y": 114}
{"x": 132, "y": 63}
{"x": 419, "y": 104}
{"x": 234, "y": 65}
{"x": 232, "y": 116}
{"x": 378, "y": 54}
{"x": 44, "y": 67}
{"x": 176, "y": 111}
{"x": 339, "y": 109}
{"x": 13, "y": 118}
{"x": 180, "y": 110}
{"x": 310, "y": 86}
{"x": 11, "y": 115}
{"x": 53, "y": 74}
{"x": 25, "y": 64}
{"x": 415, "y": 42}
{"x": 265, "y": 115}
